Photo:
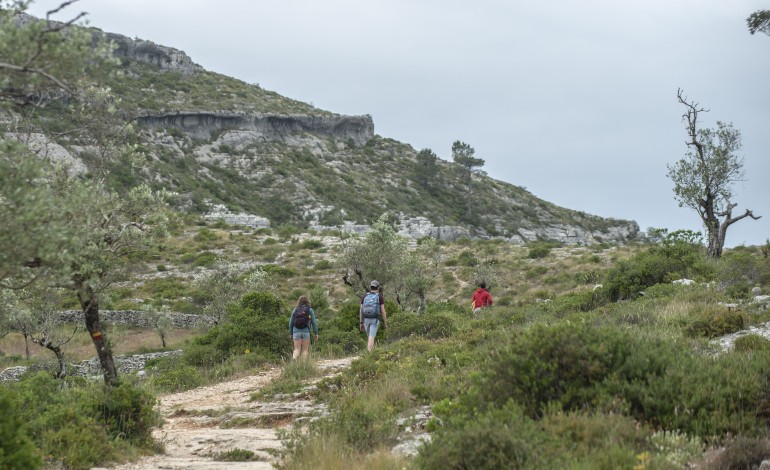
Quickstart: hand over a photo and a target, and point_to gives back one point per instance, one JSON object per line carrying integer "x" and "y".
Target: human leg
{"x": 299, "y": 337}
{"x": 305, "y": 348}
{"x": 370, "y": 326}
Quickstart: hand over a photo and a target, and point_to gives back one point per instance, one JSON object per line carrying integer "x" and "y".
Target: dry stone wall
{"x": 139, "y": 318}
{"x": 91, "y": 367}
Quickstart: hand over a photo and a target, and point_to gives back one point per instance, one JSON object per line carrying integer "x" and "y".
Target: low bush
{"x": 84, "y": 424}
{"x": 429, "y": 325}
{"x": 236, "y": 455}
{"x": 498, "y": 438}
{"x": 258, "y": 325}
{"x": 752, "y": 342}
{"x": 711, "y": 321}
{"x": 539, "y": 250}
{"x": 657, "y": 265}
{"x": 361, "y": 424}
{"x": 16, "y": 448}
{"x": 447, "y": 307}
{"x": 742, "y": 452}
{"x": 170, "y": 374}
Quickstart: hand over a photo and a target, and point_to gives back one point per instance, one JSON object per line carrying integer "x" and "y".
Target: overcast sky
{"x": 575, "y": 101}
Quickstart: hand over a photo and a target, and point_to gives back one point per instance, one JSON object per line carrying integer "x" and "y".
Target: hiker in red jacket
{"x": 481, "y": 298}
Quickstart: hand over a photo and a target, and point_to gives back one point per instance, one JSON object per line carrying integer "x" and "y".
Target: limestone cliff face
{"x": 167, "y": 58}
{"x": 269, "y": 126}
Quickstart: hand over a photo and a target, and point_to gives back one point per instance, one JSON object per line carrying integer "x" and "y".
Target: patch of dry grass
{"x": 329, "y": 453}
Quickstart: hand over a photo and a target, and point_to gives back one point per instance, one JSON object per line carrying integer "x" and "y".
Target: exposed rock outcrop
{"x": 202, "y": 124}
{"x": 220, "y": 212}
{"x": 47, "y": 149}
{"x": 166, "y": 58}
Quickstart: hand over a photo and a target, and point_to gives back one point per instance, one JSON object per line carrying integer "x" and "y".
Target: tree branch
{"x": 43, "y": 73}
{"x": 748, "y": 213}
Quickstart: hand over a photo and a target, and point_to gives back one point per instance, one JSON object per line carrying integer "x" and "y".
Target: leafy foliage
{"x": 255, "y": 325}
{"x": 654, "y": 266}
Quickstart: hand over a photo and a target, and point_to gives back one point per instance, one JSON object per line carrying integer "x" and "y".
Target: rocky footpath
{"x": 201, "y": 424}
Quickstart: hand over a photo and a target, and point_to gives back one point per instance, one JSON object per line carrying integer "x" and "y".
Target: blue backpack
{"x": 371, "y": 305}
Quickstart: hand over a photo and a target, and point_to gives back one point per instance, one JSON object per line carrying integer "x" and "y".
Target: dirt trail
{"x": 206, "y": 421}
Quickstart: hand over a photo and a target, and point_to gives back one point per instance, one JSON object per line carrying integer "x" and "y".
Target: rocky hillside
{"x": 269, "y": 160}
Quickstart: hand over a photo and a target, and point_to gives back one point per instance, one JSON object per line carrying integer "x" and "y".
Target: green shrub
{"x": 311, "y": 244}
{"x": 206, "y": 235}
{"x": 503, "y": 438}
{"x": 128, "y": 412}
{"x": 281, "y": 271}
{"x": 447, "y": 307}
{"x": 16, "y": 448}
{"x": 333, "y": 342}
{"x": 467, "y": 258}
{"x": 257, "y": 324}
{"x": 203, "y": 354}
{"x": 318, "y": 298}
{"x": 236, "y": 455}
{"x": 742, "y": 452}
{"x": 584, "y": 301}
{"x": 752, "y": 342}
{"x": 566, "y": 365}
{"x": 433, "y": 326}
{"x": 173, "y": 375}
{"x": 657, "y": 265}
{"x": 84, "y": 424}
{"x": 323, "y": 265}
{"x": 539, "y": 250}
{"x": 361, "y": 423}
{"x": 712, "y": 321}
{"x": 205, "y": 259}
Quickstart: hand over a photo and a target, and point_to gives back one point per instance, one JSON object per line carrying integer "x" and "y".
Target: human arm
{"x": 383, "y": 314}
{"x": 314, "y": 323}
{"x": 361, "y": 316}
{"x": 291, "y": 324}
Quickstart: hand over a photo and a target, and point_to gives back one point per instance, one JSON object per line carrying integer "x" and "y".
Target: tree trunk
{"x": 90, "y": 307}
{"x": 26, "y": 344}
{"x": 56, "y": 350}
{"x": 421, "y": 307}
{"x": 60, "y": 358}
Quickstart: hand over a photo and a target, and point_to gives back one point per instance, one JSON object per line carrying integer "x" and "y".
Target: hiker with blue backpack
{"x": 302, "y": 318}
{"x": 372, "y": 309}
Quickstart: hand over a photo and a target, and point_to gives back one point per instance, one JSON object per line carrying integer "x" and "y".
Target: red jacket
{"x": 481, "y": 298}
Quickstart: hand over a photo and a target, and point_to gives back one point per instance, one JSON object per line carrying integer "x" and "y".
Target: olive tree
{"x": 384, "y": 255}
{"x": 704, "y": 178}
{"x": 160, "y": 320}
{"x": 35, "y": 313}
{"x": 41, "y": 59}
{"x": 225, "y": 284}
{"x": 378, "y": 255}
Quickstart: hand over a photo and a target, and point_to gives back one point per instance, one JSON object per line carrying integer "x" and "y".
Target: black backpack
{"x": 302, "y": 316}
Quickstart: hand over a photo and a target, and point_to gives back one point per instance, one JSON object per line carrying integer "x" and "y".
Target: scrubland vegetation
{"x": 559, "y": 373}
